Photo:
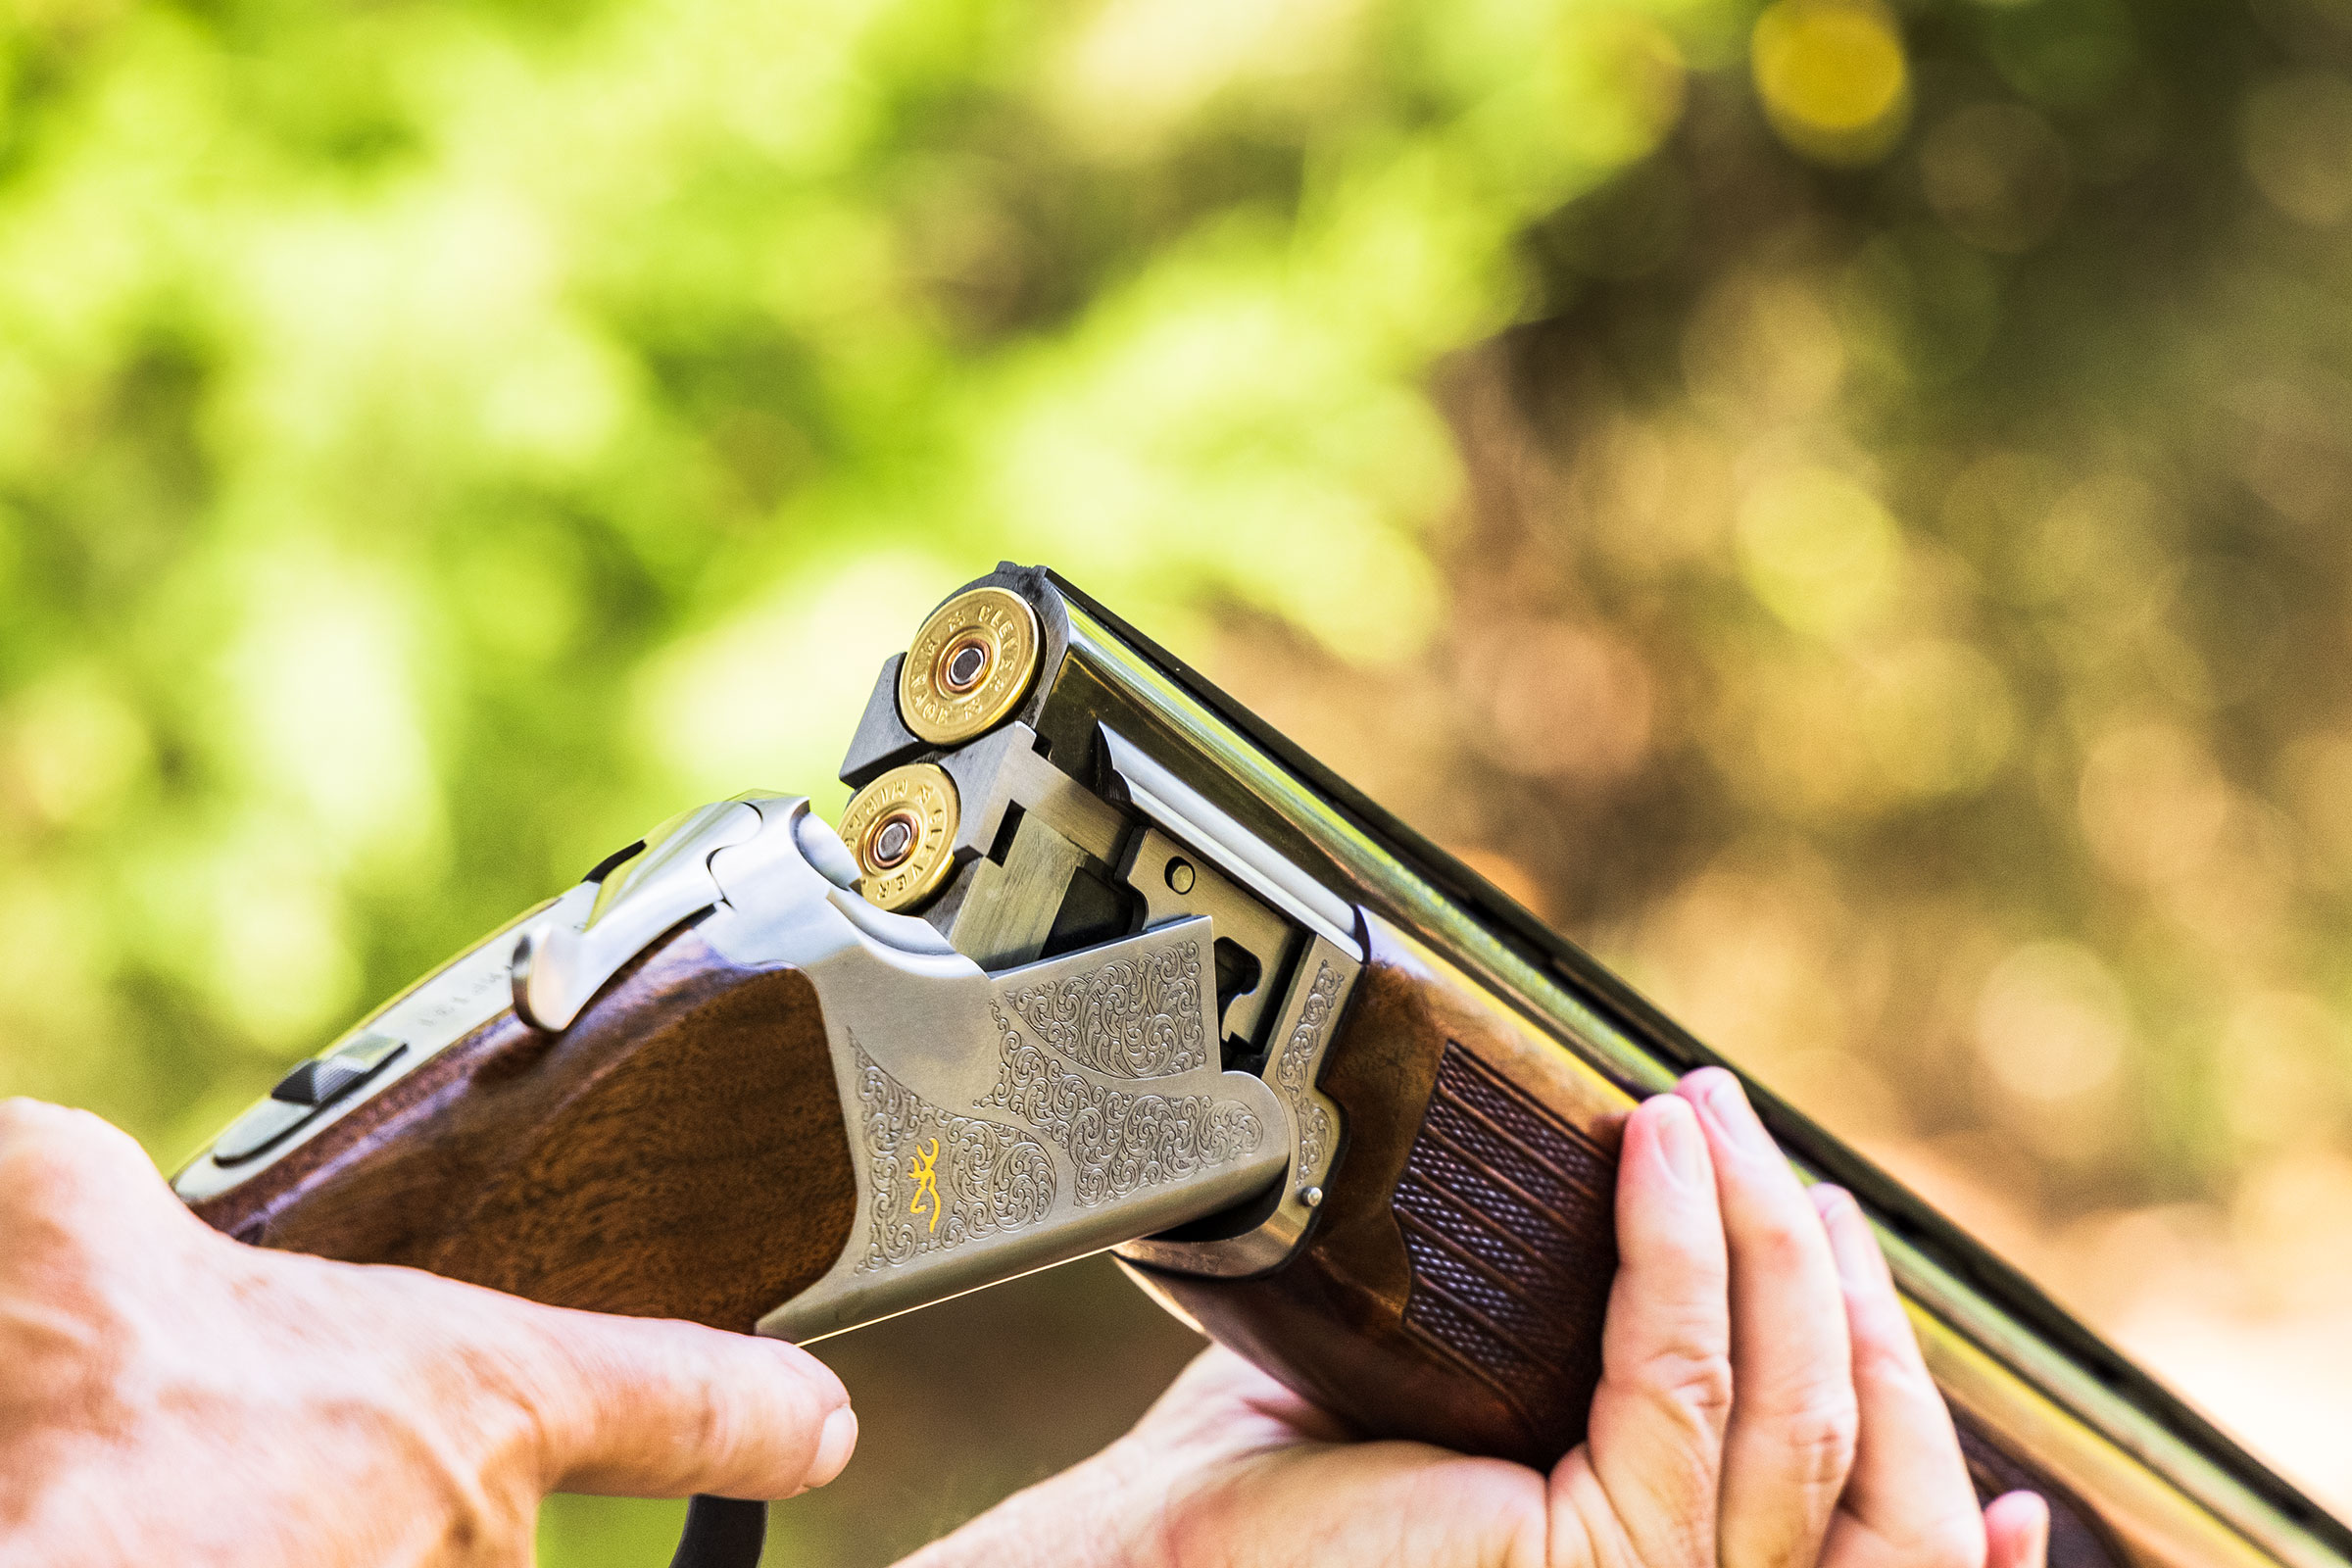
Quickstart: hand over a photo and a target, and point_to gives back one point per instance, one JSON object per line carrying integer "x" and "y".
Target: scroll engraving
{"x": 1294, "y": 1068}
{"x": 1134, "y": 1017}
{"x": 941, "y": 1179}
{"x": 1121, "y": 1141}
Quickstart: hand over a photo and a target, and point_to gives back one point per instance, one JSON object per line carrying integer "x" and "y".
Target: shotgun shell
{"x": 969, "y": 666}
{"x": 902, "y": 829}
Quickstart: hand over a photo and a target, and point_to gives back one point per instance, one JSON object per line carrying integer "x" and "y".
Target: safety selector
{"x": 304, "y": 1093}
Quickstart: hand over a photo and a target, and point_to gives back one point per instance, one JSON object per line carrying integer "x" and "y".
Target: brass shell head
{"x": 902, "y": 829}
{"x": 969, "y": 666}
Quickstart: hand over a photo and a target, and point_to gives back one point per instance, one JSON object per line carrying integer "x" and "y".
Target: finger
{"x": 653, "y": 1408}
{"x": 2017, "y": 1531}
{"x": 1656, "y": 1432}
{"x": 1791, "y": 1439}
{"x": 1909, "y": 1500}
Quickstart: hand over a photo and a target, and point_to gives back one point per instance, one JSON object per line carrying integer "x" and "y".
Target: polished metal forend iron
{"x": 1099, "y": 961}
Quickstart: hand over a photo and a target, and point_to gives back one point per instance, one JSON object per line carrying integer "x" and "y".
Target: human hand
{"x": 1762, "y": 1404}
{"x": 167, "y": 1394}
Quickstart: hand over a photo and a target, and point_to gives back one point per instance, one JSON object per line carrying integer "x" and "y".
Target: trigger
{"x": 721, "y": 1533}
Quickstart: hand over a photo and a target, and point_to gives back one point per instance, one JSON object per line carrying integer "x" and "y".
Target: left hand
{"x": 170, "y": 1395}
{"x": 1763, "y": 1404}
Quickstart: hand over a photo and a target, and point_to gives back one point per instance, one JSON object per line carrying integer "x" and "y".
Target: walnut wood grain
{"x": 678, "y": 1152}
{"x": 1466, "y": 1248}
{"x": 1453, "y": 1289}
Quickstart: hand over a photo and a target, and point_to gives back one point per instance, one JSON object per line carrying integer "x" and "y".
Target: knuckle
{"x": 713, "y": 1430}
{"x": 1887, "y": 1356}
{"x": 59, "y": 1146}
{"x": 522, "y": 1393}
{"x": 35, "y": 1129}
{"x": 1820, "y": 1434}
{"x": 1703, "y": 1079}
{"x": 44, "y": 1179}
{"x": 73, "y": 1186}
{"x": 1783, "y": 1245}
{"x": 743, "y": 1407}
{"x": 1692, "y": 1378}
{"x": 21, "y": 1113}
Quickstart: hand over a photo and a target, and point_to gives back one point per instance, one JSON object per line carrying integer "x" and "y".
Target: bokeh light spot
{"x": 1136, "y": 69}
{"x": 2051, "y": 1022}
{"x": 76, "y": 747}
{"x": 1561, "y": 701}
{"x": 1997, "y": 175}
{"x": 1817, "y": 549}
{"x": 2298, "y": 146}
{"x": 1763, "y": 348}
{"x": 2316, "y": 779}
{"x": 2153, "y": 804}
{"x": 1939, "y": 718}
{"x": 1832, "y": 78}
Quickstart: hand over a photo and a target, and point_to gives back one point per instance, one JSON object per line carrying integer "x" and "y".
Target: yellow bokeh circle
{"x": 1832, "y": 77}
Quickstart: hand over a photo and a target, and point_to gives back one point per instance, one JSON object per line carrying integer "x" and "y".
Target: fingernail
{"x": 1727, "y": 1106}
{"x": 1684, "y": 1150}
{"x": 834, "y": 1447}
{"x": 1836, "y": 1206}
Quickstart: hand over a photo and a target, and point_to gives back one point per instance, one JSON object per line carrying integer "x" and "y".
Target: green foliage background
{"x": 1843, "y": 508}
{"x": 439, "y": 437}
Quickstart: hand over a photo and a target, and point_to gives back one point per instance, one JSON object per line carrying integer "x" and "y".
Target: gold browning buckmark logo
{"x": 926, "y": 1171}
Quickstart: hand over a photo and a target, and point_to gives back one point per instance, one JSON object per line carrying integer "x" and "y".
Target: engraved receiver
{"x": 1098, "y": 961}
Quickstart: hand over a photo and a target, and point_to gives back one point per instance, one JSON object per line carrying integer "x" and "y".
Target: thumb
{"x": 650, "y": 1407}
{"x": 2017, "y": 1528}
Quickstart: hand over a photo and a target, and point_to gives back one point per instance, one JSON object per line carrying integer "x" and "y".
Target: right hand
{"x": 1762, "y": 1404}
{"x": 167, "y": 1394}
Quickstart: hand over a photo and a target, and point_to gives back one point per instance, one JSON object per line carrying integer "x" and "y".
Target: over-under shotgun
{"x": 1096, "y": 959}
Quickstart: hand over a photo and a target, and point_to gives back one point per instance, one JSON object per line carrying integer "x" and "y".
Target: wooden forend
{"x": 1454, "y": 1287}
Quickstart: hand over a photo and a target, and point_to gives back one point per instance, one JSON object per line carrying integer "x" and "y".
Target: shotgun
{"x": 1099, "y": 961}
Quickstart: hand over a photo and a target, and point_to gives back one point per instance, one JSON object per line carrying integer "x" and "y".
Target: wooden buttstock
{"x": 1454, "y": 1287}
{"x": 678, "y": 1152}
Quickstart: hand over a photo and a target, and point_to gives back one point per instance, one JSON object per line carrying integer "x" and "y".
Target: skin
{"x": 1763, "y": 1404}
{"x": 169, "y": 1395}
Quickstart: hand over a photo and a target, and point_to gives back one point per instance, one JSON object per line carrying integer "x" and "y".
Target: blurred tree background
{"x": 1840, "y": 508}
